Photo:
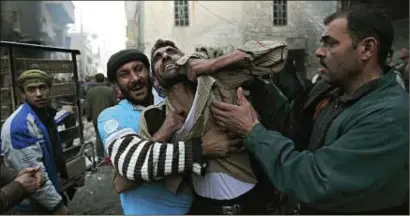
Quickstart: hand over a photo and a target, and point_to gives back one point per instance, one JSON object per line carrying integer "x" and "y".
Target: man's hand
{"x": 197, "y": 67}
{"x": 63, "y": 210}
{"x": 41, "y": 179}
{"x": 218, "y": 143}
{"x": 239, "y": 119}
{"x": 173, "y": 122}
{"x": 28, "y": 180}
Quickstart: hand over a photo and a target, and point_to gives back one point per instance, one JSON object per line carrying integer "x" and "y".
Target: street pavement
{"x": 97, "y": 196}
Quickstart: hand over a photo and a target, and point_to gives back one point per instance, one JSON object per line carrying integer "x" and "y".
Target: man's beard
{"x": 148, "y": 100}
{"x": 167, "y": 81}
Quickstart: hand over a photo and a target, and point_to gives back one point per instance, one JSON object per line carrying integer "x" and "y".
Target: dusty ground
{"x": 97, "y": 196}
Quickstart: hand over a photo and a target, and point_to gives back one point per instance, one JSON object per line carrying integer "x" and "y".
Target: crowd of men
{"x": 224, "y": 141}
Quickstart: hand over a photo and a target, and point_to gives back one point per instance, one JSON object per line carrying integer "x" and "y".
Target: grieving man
{"x": 230, "y": 182}
{"x": 145, "y": 160}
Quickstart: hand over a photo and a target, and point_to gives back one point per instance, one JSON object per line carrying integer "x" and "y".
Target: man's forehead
{"x": 163, "y": 49}
{"x": 335, "y": 28}
{"x": 35, "y": 84}
{"x": 131, "y": 64}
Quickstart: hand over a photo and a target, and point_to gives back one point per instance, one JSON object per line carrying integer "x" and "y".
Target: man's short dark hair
{"x": 99, "y": 78}
{"x": 159, "y": 44}
{"x": 366, "y": 21}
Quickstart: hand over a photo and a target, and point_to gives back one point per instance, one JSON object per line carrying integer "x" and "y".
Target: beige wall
{"x": 305, "y": 25}
{"x": 205, "y": 27}
{"x": 223, "y": 23}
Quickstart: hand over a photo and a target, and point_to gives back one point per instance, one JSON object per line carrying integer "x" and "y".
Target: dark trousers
{"x": 98, "y": 143}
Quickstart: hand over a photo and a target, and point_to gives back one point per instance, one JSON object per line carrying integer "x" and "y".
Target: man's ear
{"x": 368, "y": 48}
{"x": 22, "y": 95}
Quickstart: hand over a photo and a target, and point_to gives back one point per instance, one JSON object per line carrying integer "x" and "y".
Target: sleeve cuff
{"x": 184, "y": 59}
{"x": 194, "y": 157}
{"x": 250, "y": 54}
{"x": 249, "y": 139}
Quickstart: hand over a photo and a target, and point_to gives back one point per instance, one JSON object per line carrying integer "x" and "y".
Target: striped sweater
{"x": 136, "y": 158}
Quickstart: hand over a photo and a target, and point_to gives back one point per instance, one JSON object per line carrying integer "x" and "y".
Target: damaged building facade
{"x": 231, "y": 23}
{"x": 38, "y": 22}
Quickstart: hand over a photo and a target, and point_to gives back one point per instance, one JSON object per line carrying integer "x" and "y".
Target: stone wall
{"x": 303, "y": 30}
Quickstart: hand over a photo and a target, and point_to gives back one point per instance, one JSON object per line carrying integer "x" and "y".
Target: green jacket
{"x": 363, "y": 164}
{"x": 99, "y": 98}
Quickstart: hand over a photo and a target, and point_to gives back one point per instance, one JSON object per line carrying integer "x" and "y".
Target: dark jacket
{"x": 99, "y": 98}
{"x": 11, "y": 192}
{"x": 354, "y": 162}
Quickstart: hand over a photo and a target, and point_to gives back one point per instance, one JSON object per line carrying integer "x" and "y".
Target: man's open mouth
{"x": 170, "y": 66}
{"x": 41, "y": 101}
{"x": 137, "y": 88}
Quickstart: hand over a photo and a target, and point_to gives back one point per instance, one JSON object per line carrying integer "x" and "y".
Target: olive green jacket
{"x": 362, "y": 164}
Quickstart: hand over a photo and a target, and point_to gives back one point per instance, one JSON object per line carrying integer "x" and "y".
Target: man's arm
{"x": 11, "y": 192}
{"x": 138, "y": 158}
{"x": 336, "y": 168}
{"x": 7, "y": 175}
{"x": 10, "y": 195}
{"x": 24, "y": 152}
{"x": 258, "y": 57}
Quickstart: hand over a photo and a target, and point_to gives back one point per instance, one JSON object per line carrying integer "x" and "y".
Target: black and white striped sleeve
{"x": 136, "y": 158}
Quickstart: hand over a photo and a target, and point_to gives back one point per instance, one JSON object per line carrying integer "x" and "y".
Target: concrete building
{"x": 225, "y": 23}
{"x": 95, "y": 43}
{"x": 85, "y": 61}
{"x": 231, "y": 23}
{"x": 41, "y": 22}
{"x": 132, "y": 9}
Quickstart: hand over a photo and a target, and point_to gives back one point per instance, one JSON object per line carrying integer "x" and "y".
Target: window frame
{"x": 280, "y": 16}
{"x": 181, "y": 16}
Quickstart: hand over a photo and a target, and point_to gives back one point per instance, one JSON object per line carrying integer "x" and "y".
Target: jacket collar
{"x": 127, "y": 103}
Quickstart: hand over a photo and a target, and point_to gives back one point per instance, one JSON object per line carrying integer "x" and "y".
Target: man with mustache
{"x": 343, "y": 146}
{"x": 146, "y": 160}
{"x": 156, "y": 126}
{"x": 230, "y": 185}
{"x": 29, "y": 138}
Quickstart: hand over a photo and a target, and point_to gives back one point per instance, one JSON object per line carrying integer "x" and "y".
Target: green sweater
{"x": 363, "y": 164}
